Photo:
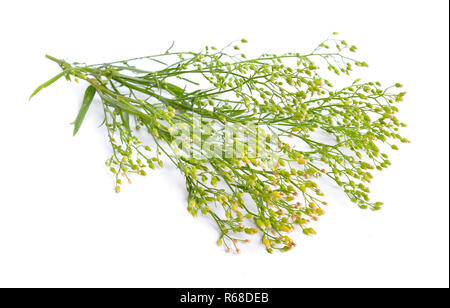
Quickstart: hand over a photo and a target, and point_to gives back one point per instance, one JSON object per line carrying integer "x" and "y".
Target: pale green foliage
{"x": 287, "y": 95}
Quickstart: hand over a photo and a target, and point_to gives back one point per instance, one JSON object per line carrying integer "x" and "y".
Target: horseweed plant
{"x": 247, "y": 134}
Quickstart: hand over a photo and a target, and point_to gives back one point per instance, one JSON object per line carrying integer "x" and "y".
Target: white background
{"x": 62, "y": 225}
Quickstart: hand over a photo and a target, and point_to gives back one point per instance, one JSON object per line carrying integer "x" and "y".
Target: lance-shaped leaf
{"x": 47, "y": 83}
{"x": 87, "y": 100}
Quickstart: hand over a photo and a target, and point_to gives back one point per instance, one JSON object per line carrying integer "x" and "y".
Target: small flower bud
{"x": 251, "y": 231}
{"x": 302, "y": 161}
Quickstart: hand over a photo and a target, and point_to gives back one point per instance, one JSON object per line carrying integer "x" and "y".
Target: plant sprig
{"x": 270, "y": 188}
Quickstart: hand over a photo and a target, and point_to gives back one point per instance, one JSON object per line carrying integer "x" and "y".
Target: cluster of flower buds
{"x": 269, "y": 186}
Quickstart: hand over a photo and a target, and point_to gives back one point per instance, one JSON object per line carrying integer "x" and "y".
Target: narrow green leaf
{"x": 173, "y": 89}
{"x": 47, "y": 83}
{"x": 87, "y": 100}
{"x": 125, "y": 119}
{"x": 235, "y": 113}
